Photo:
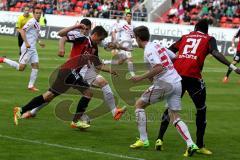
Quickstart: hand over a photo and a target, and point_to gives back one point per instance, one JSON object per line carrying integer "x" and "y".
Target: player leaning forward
{"x": 166, "y": 83}
{"x": 30, "y": 34}
{"x": 69, "y": 73}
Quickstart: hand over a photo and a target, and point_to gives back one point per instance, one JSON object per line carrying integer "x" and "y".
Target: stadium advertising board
{"x": 162, "y": 33}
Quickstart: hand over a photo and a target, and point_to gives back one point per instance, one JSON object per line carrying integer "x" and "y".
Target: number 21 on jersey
{"x": 192, "y": 46}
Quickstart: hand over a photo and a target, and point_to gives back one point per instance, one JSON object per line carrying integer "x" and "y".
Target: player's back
{"x": 156, "y": 54}
{"x": 193, "y": 49}
{"x": 32, "y": 28}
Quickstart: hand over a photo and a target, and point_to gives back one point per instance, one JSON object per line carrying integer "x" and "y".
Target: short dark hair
{"x": 202, "y": 26}
{"x": 142, "y": 32}
{"x": 86, "y": 22}
{"x": 128, "y": 13}
{"x": 100, "y": 31}
{"x": 36, "y": 8}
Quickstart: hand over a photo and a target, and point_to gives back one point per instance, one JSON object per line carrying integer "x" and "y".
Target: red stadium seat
{"x": 223, "y": 19}
{"x": 78, "y": 9}
{"x": 12, "y": 9}
{"x": 80, "y": 4}
{"x": 18, "y": 5}
{"x": 236, "y": 20}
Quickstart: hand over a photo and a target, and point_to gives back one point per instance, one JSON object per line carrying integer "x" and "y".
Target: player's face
{"x": 86, "y": 31}
{"x": 139, "y": 42}
{"x": 26, "y": 11}
{"x": 128, "y": 18}
{"x": 96, "y": 38}
{"x": 37, "y": 14}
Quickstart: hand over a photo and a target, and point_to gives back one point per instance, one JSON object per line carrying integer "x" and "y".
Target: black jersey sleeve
{"x": 175, "y": 46}
{"x": 237, "y": 33}
{"x": 213, "y": 45}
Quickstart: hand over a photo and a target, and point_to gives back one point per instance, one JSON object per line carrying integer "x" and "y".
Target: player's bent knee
{"x": 48, "y": 96}
{"x": 140, "y": 104}
{"x": 88, "y": 93}
{"x": 101, "y": 82}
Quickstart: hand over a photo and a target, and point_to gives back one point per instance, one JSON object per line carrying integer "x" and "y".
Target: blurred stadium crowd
{"x": 221, "y": 13}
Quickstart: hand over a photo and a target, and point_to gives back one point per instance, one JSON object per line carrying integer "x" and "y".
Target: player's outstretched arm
{"x": 223, "y": 60}
{"x": 148, "y": 75}
{"x": 62, "y": 42}
{"x": 64, "y": 31}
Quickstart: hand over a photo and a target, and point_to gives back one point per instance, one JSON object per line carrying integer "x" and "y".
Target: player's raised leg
{"x": 109, "y": 97}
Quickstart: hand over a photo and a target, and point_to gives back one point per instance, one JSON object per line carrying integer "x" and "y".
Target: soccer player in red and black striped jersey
{"x": 192, "y": 50}
{"x": 236, "y": 58}
{"x": 69, "y": 73}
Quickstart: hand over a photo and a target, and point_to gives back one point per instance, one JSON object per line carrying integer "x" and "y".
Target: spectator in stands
{"x": 144, "y": 13}
{"x": 105, "y": 10}
{"x": 186, "y": 17}
{"x": 49, "y": 9}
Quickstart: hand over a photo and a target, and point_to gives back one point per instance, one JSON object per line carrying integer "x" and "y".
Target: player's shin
{"x": 164, "y": 124}
{"x": 33, "y": 78}
{"x": 109, "y": 98}
{"x": 35, "y": 102}
{"x": 131, "y": 68}
{"x": 201, "y": 123}
{"x": 11, "y": 63}
{"x": 81, "y": 108}
{"x": 141, "y": 123}
{"x": 183, "y": 131}
{"x": 36, "y": 110}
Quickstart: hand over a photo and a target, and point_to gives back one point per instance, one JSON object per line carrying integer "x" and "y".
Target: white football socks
{"x": 130, "y": 68}
{"x": 109, "y": 98}
{"x": 141, "y": 123}
{"x": 183, "y": 131}
{"x": 11, "y": 63}
{"x": 33, "y": 77}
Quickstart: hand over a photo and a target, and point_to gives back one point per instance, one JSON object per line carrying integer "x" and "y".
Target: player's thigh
{"x": 197, "y": 92}
{"x": 99, "y": 81}
{"x": 157, "y": 92}
{"x": 174, "y": 98}
{"x": 57, "y": 84}
{"x": 34, "y": 60}
{"x": 25, "y": 56}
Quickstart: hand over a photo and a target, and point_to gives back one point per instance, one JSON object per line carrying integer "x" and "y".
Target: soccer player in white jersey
{"x": 30, "y": 34}
{"x": 125, "y": 34}
{"x": 166, "y": 84}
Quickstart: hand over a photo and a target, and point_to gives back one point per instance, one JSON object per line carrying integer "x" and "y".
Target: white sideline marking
{"x": 70, "y": 148}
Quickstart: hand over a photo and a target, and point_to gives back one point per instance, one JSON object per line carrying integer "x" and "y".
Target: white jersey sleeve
{"x": 29, "y": 25}
{"x": 171, "y": 54}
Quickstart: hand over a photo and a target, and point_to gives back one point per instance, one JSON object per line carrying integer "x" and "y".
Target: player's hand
{"x": 61, "y": 53}
{"x": 233, "y": 45}
{"x": 136, "y": 79}
{"x": 80, "y": 26}
{"x": 41, "y": 44}
{"x": 127, "y": 49}
{"x": 237, "y": 70}
{"x": 27, "y": 45}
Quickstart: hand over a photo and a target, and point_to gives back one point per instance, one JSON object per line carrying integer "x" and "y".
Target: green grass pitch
{"x": 48, "y": 137}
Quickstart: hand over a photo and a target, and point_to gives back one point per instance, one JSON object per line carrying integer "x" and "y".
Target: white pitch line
{"x": 70, "y": 148}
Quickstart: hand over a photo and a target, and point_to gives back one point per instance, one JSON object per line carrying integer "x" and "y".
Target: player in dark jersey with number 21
{"x": 192, "y": 50}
